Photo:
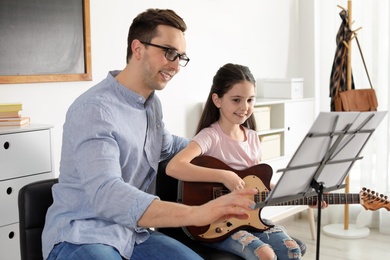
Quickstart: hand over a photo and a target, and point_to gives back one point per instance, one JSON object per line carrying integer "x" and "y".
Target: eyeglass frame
{"x": 182, "y": 57}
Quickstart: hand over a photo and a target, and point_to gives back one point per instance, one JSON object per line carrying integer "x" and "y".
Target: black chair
{"x": 166, "y": 189}
{"x": 33, "y": 201}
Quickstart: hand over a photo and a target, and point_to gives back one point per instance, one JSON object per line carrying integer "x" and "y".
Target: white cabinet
{"x": 25, "y": 157}
{"x": 298, "y": 117}
{"x": 290, "y": 119}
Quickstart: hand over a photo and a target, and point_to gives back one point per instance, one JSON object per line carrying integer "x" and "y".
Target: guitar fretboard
{"x": 331, "y": 198}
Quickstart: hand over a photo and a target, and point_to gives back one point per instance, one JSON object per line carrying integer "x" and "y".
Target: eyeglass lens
{"x": 172, "y": 55}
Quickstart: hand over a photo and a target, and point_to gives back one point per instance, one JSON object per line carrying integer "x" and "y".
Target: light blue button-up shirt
{"x": 112, "y": 142}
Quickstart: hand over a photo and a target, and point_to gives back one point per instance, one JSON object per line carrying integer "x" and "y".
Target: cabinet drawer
{"x": 9, "y": 191}
{"x": 25, "y": 153}
{"x": 9, "y": 242}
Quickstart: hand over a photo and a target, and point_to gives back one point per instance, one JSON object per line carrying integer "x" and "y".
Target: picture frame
{"x": 45, "y": 41}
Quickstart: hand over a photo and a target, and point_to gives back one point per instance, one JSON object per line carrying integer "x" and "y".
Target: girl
{"x": 226, "y": 131}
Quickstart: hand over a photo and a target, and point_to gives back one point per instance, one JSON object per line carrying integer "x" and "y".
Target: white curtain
{"x": 373, "y": 170}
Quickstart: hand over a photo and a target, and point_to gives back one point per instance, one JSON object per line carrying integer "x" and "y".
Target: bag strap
{"x": 361, "y": 53}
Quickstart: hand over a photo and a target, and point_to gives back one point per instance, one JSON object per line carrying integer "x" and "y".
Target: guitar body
{"x": 198, "y": 193}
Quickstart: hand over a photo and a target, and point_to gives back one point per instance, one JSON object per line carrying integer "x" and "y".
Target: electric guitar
{"x": 258, "y": 177}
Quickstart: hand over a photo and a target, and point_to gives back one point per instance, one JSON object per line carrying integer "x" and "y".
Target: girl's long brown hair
{"x": 223, "y": 81}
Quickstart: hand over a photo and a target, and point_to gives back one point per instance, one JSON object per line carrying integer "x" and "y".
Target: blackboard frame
{"x": 86, "y": 76}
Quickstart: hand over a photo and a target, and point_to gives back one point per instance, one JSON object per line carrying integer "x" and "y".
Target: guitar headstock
{"x": 372, "y": 200}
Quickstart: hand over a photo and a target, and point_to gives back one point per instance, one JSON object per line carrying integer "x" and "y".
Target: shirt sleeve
{"x": 206, "y": 139}
{"x": 172, "y": 144}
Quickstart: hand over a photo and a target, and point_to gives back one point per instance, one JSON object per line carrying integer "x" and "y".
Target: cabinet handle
{"x": 6, "y": 145}
{"x": 11, "y": 235}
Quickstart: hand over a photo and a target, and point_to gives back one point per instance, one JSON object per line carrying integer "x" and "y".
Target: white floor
{"x": 374, "y": 246}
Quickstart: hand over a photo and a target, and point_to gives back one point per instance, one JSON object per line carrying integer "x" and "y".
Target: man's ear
{"x": 216, "y": 100}
{"x": 136, "y": 46}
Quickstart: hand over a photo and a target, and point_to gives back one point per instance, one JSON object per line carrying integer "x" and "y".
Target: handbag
{"x": 358, "y": 100}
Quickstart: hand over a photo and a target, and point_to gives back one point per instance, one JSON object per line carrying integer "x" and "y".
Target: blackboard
{"x": 44, "y": 41}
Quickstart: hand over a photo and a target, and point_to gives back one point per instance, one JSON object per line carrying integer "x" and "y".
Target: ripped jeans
{"x": 247, "y": 243}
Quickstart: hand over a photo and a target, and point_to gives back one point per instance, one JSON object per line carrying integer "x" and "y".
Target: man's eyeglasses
{"x": 171, "y": 54}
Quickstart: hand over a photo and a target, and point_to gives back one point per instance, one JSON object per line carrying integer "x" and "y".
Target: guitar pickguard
{"x": 254, "y": 222}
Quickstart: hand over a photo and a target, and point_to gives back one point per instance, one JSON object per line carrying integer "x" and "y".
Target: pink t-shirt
{"x": 238, "y": 155}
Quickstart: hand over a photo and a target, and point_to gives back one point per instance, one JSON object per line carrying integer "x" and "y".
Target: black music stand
{"x": 324, "y": 158}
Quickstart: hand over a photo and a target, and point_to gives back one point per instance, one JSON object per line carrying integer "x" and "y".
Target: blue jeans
{"x": 244, "y": 243}
{"x": 157, "y": 246}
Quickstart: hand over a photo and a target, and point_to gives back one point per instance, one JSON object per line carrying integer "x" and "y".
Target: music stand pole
{"x": 319, "y": 188}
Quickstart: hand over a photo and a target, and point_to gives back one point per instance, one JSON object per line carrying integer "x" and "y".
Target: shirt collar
{"x": 127, "y": 93}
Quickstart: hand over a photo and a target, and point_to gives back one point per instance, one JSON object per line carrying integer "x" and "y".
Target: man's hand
{"x": 170, "y": 214}
{"x": 232, "y": 205}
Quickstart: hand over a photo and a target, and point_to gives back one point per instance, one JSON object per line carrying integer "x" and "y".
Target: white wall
{"x": 274, "y": 38}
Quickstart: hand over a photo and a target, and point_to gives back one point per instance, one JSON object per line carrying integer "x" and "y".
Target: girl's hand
{"x": 232, "y": 181}
{"x": 324, "y": 205}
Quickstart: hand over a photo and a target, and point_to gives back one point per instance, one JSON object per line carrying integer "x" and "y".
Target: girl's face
{"x": 236, "y": 106}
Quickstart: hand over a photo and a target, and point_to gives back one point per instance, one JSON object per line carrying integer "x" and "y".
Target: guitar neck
{"x": 259, "y": 177}
{"x": 331, "y": 198}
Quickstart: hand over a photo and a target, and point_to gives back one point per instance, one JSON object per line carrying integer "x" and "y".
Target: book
{"x": 10, "y": 114}
{"x": 15, "y": 121}
{"x": 8, "y": 107}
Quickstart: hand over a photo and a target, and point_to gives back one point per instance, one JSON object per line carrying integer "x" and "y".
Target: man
{"x": 113, "y": 139}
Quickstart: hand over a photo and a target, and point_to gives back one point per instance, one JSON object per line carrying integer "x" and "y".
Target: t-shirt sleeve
{"x": 206, "y": 139}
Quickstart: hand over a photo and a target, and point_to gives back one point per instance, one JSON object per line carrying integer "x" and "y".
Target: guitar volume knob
{"x": 219, "y": 230}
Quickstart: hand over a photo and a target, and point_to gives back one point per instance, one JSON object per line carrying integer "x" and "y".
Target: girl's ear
{"x": 216, "y": 100}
